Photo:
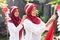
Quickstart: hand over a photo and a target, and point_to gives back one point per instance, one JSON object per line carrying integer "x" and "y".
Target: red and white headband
{"x": 13, "y": 7}
{"x": 29, "y": 5}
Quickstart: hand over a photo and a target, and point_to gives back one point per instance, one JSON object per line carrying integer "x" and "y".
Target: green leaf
{"x": 54, "y": 2}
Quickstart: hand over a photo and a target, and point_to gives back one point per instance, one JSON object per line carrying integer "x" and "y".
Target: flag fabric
{"x": 5, "y": 10}
{"x": 50, "y": 34}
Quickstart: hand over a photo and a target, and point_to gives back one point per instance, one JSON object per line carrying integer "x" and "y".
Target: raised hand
{"x": 23, "y": 18}
{"x": 53, "y": 17}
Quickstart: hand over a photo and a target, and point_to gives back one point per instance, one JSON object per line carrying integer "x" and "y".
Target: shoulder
{"x": 9, "y": 23}
{"x": 27, "y": 20}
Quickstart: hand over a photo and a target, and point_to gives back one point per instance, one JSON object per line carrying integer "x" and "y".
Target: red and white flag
{"x": 50, "y": 34}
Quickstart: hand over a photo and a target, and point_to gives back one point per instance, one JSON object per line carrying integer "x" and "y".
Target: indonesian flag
{"x": 50, "y": 33}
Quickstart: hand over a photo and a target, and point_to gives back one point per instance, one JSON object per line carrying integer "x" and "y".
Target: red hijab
{"x": 28, "y": 9}
{"x": 15, "y": 20}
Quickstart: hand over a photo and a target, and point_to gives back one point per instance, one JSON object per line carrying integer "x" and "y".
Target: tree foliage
{"x": 2, "y": 3}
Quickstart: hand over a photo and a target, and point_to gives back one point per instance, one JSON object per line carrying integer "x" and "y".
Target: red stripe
{"x": 50, "y": 34}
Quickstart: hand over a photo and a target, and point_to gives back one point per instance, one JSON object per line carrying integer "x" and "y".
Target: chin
{"x": 16, "y": 16}
{"x": 34, "y": 15}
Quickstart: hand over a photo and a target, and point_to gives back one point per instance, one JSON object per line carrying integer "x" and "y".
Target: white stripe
{"x": 12, "y": 10}
{"x": 13, "y": 7}
{"x": 28, "y": 4}
{"x": 28, "y": 7}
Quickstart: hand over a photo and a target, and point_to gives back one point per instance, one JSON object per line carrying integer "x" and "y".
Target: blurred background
{"x": 45, "y": 10}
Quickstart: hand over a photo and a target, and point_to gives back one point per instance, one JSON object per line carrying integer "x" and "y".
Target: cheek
{"x": 16, "y": 14}
{"x": 34, "y": 12}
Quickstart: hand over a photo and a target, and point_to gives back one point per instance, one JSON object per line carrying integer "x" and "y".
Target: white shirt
{"x": 33, "y": 31}
{"x": 14, "y": 31}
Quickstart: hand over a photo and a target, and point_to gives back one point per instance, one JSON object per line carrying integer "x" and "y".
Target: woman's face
{"x": 34, "y": 11}
{"x": 16, "y": 14}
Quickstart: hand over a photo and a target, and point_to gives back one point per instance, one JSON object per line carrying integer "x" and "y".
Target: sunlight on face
{"x": 34, "y": 11}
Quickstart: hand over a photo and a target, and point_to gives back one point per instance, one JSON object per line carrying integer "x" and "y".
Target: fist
{"x": 53, "y": 17}
{"x": 24, "y": 16}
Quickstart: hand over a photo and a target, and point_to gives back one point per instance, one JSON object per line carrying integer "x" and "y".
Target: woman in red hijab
{"x": 33, "y": 25}
{"x": 15, "y": 25}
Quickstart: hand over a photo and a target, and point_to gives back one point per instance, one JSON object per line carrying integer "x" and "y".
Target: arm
{"x": 51, "y": 20}
{"x": 19, "y": 27}
{"x": 23, "y": 18}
